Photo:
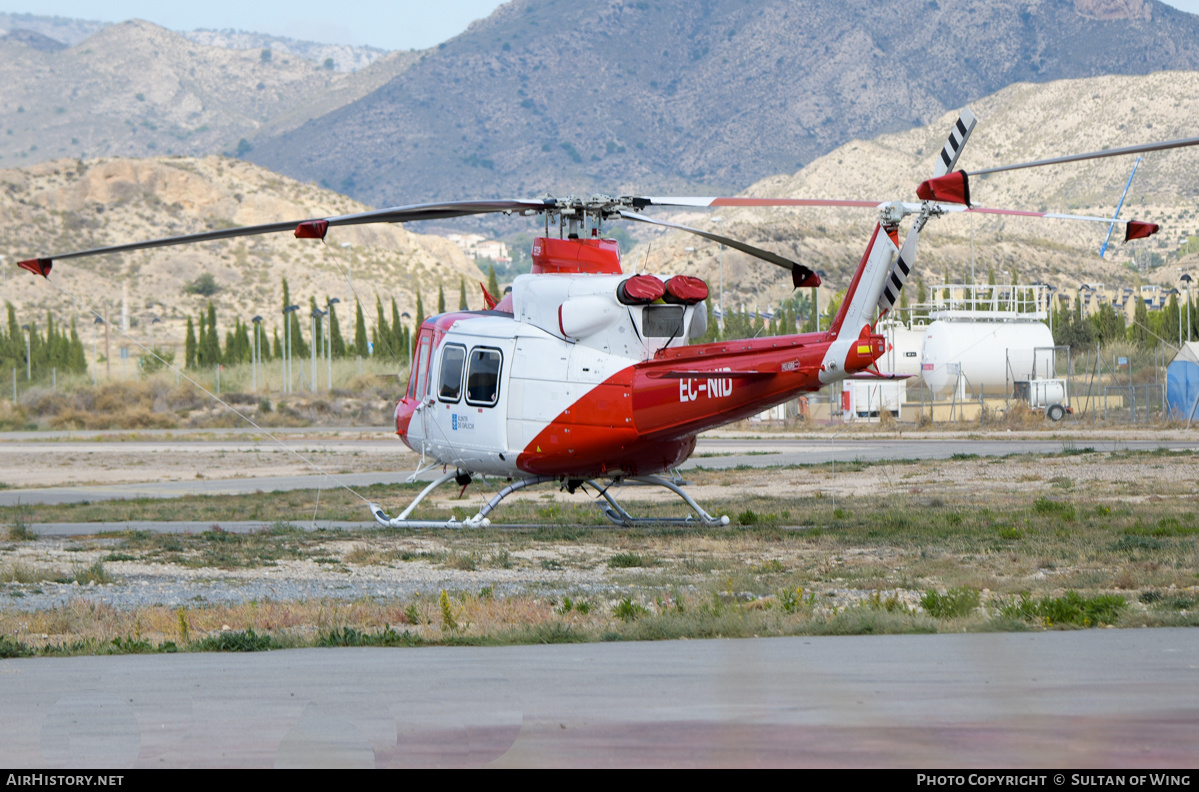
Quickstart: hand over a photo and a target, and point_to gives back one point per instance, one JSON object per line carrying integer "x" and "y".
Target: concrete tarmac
{"x": 1083, "y": 699}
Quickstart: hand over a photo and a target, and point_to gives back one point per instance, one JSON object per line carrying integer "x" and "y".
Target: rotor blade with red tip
{"x": 315, "y": 228}
{"x": 1135, "y": 229}
{"x": 800, "y": 275}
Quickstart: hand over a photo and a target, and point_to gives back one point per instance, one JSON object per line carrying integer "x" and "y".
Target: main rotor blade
{"x": 641, "y": 202}
{"x": 1116, "y": 152}
{"x": 313, "y": 228}
{"x": 800, "y": 275}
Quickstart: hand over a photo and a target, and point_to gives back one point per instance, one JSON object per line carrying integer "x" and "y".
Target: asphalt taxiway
{"x": 1088, "y": 698}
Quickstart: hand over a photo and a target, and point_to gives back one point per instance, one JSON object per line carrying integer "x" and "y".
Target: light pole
{"x": 329, "y": 339}
{"x": 287, "y": 347}
{"x": 317, "y": 313}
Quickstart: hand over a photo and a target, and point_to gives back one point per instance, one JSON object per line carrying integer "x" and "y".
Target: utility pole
{"x": 329, "y": 340}
{"x": 287, "y": 366}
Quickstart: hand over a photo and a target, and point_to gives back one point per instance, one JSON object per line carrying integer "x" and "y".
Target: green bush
{"x": 954, "y": 603}
{"x": 626, "y": 610}
{"x": 247, "y": 641}
{"x": 348, "y": 636}
{"x": 11, "y": 648}
{"x": 630, "y": 561}
{"x": 1072, "y": 608}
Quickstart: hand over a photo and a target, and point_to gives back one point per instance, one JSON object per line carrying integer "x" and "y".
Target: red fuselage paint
{"x": 645, "y": 418}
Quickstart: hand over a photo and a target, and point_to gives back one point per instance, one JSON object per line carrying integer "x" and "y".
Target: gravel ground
{"x": 1099, "y": 477}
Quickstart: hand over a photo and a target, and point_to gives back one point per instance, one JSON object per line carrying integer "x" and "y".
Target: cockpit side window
{"x": 453, "y": 360}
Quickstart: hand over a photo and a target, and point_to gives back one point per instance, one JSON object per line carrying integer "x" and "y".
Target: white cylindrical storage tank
{"x": 983, "y": 352}
{"x": 903, "y": 349}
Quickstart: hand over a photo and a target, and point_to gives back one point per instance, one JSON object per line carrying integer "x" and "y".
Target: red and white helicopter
{"x": 584, "y": 373}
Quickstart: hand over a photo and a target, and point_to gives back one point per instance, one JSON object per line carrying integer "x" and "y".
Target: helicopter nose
{"x": 403, "y": 416}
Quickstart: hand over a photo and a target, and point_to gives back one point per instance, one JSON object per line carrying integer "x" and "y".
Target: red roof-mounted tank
{"x": 596, "y": 256}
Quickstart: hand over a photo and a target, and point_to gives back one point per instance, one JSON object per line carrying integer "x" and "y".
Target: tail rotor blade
{"x": 957, "y": 139}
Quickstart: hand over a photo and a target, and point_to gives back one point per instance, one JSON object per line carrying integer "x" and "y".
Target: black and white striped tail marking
{"x": 899, "y": 272}
{"x": 957, "y": 139}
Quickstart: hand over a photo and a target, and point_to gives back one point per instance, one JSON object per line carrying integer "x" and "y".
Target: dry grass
{"x": 809, "y": 563}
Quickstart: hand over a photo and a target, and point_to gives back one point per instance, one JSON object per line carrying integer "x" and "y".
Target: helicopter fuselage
{"x": 565, "y": 380}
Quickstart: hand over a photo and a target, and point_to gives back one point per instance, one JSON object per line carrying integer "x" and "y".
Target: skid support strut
{"x": 617, "y": 514}
{"x": 478, "y": 521}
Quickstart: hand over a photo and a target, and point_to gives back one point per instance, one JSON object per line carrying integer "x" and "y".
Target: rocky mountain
{"x": 69, "y": 204}
{"x": 681, "y": 95}
{"x": 56, "y": 33}
{"x": 64, "y": 30}
{"x": 137, "y": 90}
{"x": 1020, "y": 123}
{"x": 338, "y": 57}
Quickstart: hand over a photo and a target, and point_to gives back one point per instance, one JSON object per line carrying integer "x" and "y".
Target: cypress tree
{"x": 440, "y": 299}
{"x": 299, "y": 347}
{"x": 360, "y": 342}
{"x": 382, "y": 332}
{"x": 420, "y": 311}
{"x": 245, "y": 348}
{"x": 202, "y": 343}
{"x": 337, "y": 344}
{"x": 493, "y": 283}
{"x": 212, "y": 341}
{"x": 462, "y": 306}
{"x": 398, "y": 344}
{"x": 189, "y": 346}
{"x": 78, "y": 362}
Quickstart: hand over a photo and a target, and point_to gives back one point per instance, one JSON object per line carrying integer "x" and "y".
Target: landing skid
{"x": 613, "y": 511}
